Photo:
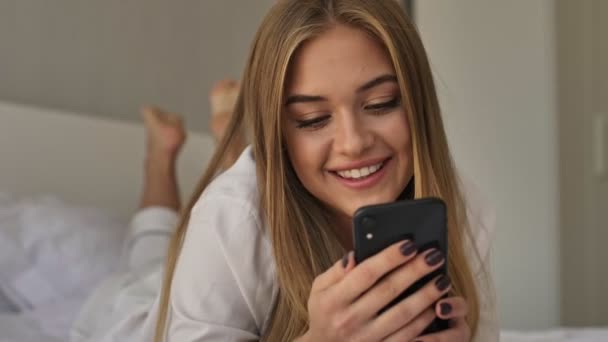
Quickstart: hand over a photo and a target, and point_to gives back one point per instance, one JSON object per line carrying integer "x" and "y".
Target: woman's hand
{"x": 455, "y": 310}
{"x": 345, "y": 300}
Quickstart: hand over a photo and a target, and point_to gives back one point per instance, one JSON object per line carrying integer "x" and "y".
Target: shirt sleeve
{"x": 148, "y": 237}
{"x": 124, "y": 307}
{"x": 223, "y": 283}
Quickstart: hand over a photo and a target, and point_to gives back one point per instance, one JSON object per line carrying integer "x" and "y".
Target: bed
{"x": 63, "y": 171}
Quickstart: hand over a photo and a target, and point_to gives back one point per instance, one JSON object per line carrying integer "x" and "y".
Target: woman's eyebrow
{"x": 377, "y": 81}
{"x": 315, "y": 98}
{"x": 304, "y": 98}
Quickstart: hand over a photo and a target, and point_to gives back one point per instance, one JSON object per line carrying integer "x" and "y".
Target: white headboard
{"x": 83, "y": 159}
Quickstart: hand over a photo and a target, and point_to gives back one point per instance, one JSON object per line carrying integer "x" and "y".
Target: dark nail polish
{"x": 443, "y": 283}
{"x": 345, "y": 260}
{"x": 445, "y": 308}
{"x": 434, "y": 258}
{"x": 408, "y": 248}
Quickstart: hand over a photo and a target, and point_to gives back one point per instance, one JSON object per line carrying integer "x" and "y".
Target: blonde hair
{"x": 298, "y": 225}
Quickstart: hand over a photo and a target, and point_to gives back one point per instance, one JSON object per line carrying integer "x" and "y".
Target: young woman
{"x": 343, "y": 111}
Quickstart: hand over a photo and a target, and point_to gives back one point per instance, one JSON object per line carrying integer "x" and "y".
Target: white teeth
{"x": 360, "y": 173}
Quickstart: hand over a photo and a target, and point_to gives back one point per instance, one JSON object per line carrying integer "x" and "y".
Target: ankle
{"x": 164, "y": 165}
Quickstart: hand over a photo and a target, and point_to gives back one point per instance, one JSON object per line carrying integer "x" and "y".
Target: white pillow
{"x": 51, "y": 250}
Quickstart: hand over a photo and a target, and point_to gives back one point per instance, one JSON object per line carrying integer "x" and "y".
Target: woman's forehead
{"x": 342, "y": 56}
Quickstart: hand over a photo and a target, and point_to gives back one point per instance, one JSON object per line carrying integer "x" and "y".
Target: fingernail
{"x": 345, "y": 260}
{"x": 445, "y": 308}
{"x": 434, "y": 258}
{"x": 443, "y": 283}
{"x": 408, "y": 248}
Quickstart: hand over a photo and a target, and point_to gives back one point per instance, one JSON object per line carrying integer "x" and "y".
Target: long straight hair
{"x": 298, "y": 225}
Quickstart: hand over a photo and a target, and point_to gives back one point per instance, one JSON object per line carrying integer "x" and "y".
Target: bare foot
{"x": 219, "y": 124}
{"x": 165, "y": 131}
{"x": 165, "y": 137}
{"x": 223, "y": 98}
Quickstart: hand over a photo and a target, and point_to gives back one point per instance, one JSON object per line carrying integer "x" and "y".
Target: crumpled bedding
{"x": 52, "y": 255}
{"x": 48, "y": 323}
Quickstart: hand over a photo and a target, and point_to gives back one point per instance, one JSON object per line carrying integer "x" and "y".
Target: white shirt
{"x": 224, "y": 286}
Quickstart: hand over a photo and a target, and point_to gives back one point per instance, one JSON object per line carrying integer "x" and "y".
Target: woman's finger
{"x": 414, "y": 328}
{"x": 366, "y": 274}
{"x": 411, "y": 307}
{"x": 335, "y": 274}
{"x": 391, "y": 286}
{"x": 459, "y": 331}
{"x": 453, "y": 307}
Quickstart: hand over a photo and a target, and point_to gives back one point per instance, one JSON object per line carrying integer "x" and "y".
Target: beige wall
{"x": 494, "y": 63}
{"x": 108, "y": 57}
{"x": 583, "y": 79}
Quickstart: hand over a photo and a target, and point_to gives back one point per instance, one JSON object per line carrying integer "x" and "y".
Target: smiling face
{"x": 345, "y": 129}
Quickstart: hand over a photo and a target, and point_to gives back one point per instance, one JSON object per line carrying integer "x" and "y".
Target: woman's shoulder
{"x": 236, "y": 185}
{"x": 229, "y": 207}
{"x": 225, "y": 272}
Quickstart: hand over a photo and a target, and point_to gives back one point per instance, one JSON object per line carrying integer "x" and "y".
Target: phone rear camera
{"x": 368, "y": 222}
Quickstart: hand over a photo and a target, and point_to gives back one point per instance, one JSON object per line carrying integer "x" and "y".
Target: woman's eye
{"x": 314, "y": 123}
{"x": 384, "y": 107}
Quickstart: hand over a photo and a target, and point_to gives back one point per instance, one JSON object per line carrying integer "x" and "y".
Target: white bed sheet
{"x": 50, "y": 249}
{"x": 14, "y": 328}
{"x": 557, "y": 335}
{"x": 46, "y": 324}
{"x": 52, "y": 255}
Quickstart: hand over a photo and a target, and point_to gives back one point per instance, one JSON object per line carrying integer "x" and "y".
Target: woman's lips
{"x": 367, "y": 181}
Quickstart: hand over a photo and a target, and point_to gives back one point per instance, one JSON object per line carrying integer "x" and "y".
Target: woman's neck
{"x": 344, "y": 231}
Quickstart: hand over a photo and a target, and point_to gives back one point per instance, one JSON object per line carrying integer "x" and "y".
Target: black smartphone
{"x": 423, "y": 221}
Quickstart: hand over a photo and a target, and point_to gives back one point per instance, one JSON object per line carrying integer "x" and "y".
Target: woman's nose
{"x": 352, "y": 137}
